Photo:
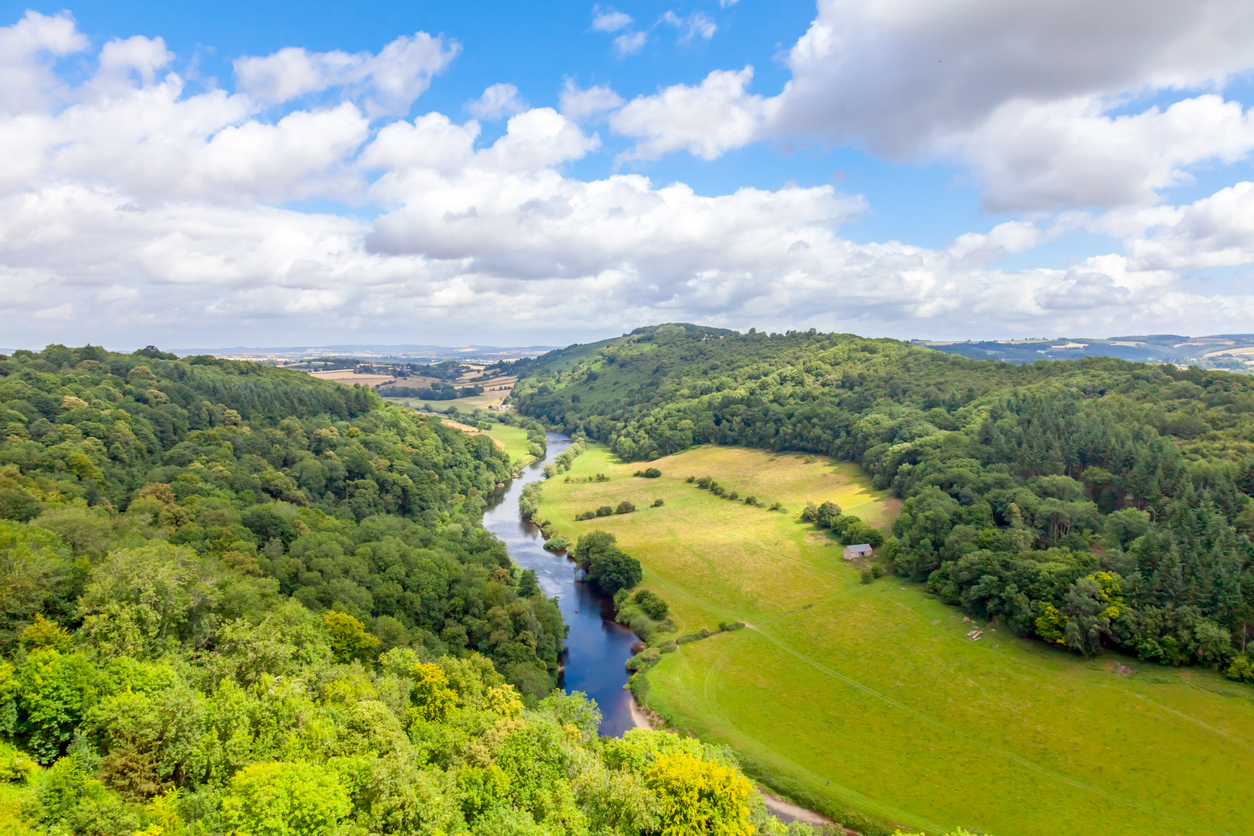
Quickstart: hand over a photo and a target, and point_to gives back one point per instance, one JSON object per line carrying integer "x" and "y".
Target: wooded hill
{"x": 1088, "y": 503}
{"x": 235, "y": 599}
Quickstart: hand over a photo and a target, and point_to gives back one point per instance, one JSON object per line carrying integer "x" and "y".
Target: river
{"x": 596, "y": 647}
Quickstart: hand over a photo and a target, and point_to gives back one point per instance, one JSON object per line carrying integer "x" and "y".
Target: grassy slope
{"x": 875, "y": 689}
{"x": 514, "y": 441}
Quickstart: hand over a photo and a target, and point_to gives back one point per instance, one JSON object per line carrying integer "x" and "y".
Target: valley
{"x": 870, "y": 696}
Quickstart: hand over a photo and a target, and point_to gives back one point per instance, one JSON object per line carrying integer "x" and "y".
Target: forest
{"x": 236, "y": 599}
{"x": 1089, "y": 503}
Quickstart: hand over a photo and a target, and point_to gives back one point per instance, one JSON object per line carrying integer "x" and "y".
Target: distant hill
{"x": 1233, "y": 352}
{"x": 413, "y": 353}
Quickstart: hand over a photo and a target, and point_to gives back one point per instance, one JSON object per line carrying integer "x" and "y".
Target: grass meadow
{"x": 514, "y": 441}
{"x": 870, "y": 696}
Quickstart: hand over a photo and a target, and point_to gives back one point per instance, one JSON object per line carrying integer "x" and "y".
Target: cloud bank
{"x": 134, "y": 210}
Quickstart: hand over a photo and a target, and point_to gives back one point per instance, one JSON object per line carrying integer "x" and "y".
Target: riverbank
{"x": 597, "y": 648}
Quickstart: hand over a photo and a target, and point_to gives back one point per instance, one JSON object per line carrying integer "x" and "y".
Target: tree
{"x": 349, "y": 639}
{"x": 284, "y": 799}
{"x": 699, "y": 797}
{"x": 432, "y": 696}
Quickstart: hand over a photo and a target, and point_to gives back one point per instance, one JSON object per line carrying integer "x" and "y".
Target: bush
{"x": 601, "y": 477}
{"x": 658, "y": 503}
{"x": 732, "y": 495}
{"x": 691, "y": 479}
{"x": 642, "y": 626}
{"x": 867, "y": 575}
{"x": 651, "y": 603}
{"x": 876, "y": 571}
{"x": 652, "y": 473}
{"x": 826, "y": 514}
{"x": 604, "y": 511}
{"x": 586, "y": 515}
{"x": 624, "y": 507}
{"x": 557, "y": 544}
{"x": 644, "y": 659}
{"x": 704, "y": 482}
{"x": 777, "y": 506}
{"x": 751, "y": 500}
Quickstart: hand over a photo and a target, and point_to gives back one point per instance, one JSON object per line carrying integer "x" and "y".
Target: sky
{"x": 507, "y": 173}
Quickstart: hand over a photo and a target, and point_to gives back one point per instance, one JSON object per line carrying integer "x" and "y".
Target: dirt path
{"x": 785, "y": 811}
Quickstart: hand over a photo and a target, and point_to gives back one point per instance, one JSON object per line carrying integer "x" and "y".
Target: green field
{"x": 875, "y": 687}
{"x": 514, "y": 441}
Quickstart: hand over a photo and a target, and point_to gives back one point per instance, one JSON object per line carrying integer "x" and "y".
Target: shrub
{"x": 691, "y": 479}
{"x": 777, "y": 506}
{"x": 652, "y": 473}
{"x": 604, "y": 511}
{"x": 586, "y": 515}
{"x": 867, "y": 575}
{"x": 601, "y": 477}
{"x": 751, "y": 500}
{"x": 826, "y": 514}
{"x": 733, "y": 495}
{"x": 644, "y": 659}
{"x": 624, "y": 507}
{"x": 651, "y": 603}
{"x": 642, "y": 626}
{"x": 557, "y": 544}
{"x": 658, "y": 503}
{"x": 704, "y": 482}
{"x": 876, "y": 571}
{"x": 810, "y": 512}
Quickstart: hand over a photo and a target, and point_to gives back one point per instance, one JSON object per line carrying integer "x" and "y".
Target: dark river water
{"x": 596, "y": 647}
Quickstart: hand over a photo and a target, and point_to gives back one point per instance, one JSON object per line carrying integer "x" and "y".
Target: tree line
{"x": 1088, "y": 503}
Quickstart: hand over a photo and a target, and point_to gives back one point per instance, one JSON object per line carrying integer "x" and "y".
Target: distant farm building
{"x": 502, "y": 407}
{"x": 857, "y": 552}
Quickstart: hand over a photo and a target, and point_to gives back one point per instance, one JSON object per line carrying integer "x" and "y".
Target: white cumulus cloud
{"x": 630, "y": 43}
{"x": 609, "y": 20}
{"x": 498, "y": 101}
{"x": 706, "y": 120}
{"x": 387, "y": 83}
{"x": 693, "y": 26}
{"x": 132, "y": 208}
{"x": 580, "y": 104}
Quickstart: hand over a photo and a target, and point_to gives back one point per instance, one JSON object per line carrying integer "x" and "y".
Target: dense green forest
{"x": 1090, "y": 503}
{"x": 235, "y": 599}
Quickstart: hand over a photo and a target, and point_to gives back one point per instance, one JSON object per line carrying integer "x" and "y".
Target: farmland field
{"x": 870, "y": 696}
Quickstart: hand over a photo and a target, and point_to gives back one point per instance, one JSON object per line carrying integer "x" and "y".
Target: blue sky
{"x": 283, "y": 173}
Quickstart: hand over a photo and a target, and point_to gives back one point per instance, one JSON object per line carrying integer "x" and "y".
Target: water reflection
{"x": 596, "y": 647}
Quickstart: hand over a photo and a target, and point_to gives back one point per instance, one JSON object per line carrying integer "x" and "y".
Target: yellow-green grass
{"x": 875, "y": 687}
{"x": 514, "y": 441}
{"x": 474, "y": 402}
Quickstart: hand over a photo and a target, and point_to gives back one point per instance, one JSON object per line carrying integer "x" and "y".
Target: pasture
{"x": 870, "y": 696}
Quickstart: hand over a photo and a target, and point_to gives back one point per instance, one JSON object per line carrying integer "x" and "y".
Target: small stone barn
{"x": 862, "y": 550}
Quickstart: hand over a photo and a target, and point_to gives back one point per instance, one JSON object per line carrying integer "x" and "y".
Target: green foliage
{"x": 700, "y": 797}
{"x": 349, "y": 639}
{"x": 605, "y": 563}
{"x": 1018, "y": 482}
{"x": 284, "y": 799}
